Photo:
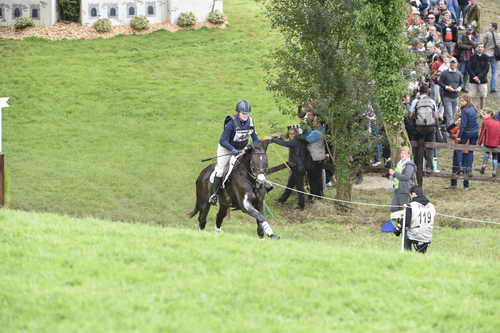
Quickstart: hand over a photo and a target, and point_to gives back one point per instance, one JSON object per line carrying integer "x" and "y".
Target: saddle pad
{"x": 232, "y": 162}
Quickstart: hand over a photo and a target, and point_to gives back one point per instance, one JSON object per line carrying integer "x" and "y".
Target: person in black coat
{"x": 297, "y": 163}
{"x": 479, "y": 67}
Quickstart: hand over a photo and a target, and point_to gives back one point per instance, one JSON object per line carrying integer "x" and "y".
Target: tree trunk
{"x": 343, "y": 161}
{"x": 397, "y": 137}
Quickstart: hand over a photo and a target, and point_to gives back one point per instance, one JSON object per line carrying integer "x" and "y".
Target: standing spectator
{"x": 296, "y": 160}
{"x": 462, "y": 4}
{"x": 403, "y": 178}
{"x": 472, "y": 15}
{"x": 453, "y": 8}
{"x": 490, "y": 138}
{"x": 457, "y": 164}
{"x": 451, "y": 83}
{"x": 316, "y": 147}
{"x": 486, "y": 155}
{"x": 478, "y": 75}
{"x": 437, "y": 61}
{"x": 449, "y": 32}
{"x": 425, "y": 116}
{"x": 431, "y": 20}
{"x": 489, "y": 39}
{"x": 469, "y": 132}
{"x": 419, "y": 222}
{"x": 466, "y": 44}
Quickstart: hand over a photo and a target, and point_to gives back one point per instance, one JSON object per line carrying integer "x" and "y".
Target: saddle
{"x": 227, "y": 172}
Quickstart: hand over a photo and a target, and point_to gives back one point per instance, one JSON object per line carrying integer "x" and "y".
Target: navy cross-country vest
{"x": 241, "y": 132}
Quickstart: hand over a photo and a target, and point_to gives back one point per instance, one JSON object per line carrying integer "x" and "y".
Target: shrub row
{"x": 23, "y": 23}
{"x": 138, "y": 23}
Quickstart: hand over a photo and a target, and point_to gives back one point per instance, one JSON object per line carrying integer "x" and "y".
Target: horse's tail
{"x": 194, "y": 212}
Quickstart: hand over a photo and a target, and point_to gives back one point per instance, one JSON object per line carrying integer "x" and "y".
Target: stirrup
{"x": 213, "y": 199}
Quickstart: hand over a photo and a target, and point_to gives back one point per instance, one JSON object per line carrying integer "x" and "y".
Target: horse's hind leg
{"x": 220, "y": 217}
{"x": 202, "y": 217}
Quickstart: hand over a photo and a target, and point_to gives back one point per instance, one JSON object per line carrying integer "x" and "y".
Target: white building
{"x": 42, "y": 12}
{"x": 120, "y": 12}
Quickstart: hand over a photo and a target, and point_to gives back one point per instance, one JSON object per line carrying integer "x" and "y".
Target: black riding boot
{"x": 214, "y": 189}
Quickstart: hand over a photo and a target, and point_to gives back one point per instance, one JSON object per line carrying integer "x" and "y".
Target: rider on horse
{"x": 238, "y": 129}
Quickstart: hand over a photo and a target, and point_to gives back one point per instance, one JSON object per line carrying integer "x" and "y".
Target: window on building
{"x": 131, "y": 11}
{"x": 18, "y": 12}
{"x": 151, "y": 10}
{"x": 113, "y": 12}
{"x": 35, "y": 13}
{"x": 1, "y": 12}
{"x": 93, "y": 12}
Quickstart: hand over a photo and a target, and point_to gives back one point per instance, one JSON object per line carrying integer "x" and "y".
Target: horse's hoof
{"x": 274, "y": 236}
{"x": 218, "y": 229}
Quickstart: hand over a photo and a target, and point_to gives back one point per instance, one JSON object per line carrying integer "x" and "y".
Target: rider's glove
{"x": 235, "y": 152}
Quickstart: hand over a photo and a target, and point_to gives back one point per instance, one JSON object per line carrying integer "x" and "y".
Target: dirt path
{"x": 374, "y": 183}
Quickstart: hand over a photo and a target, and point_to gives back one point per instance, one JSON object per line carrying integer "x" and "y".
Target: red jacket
{"x": 490, "y": 133}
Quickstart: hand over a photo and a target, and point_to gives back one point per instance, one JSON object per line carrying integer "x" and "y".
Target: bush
{"x": 139, "y": 23}
{"x": 216, "y": 17}
{"x": 103, "y": 25}
{"x": 70, "y": 10}
{"x": 23, "y": 23}
{"x": 186, "y": 19}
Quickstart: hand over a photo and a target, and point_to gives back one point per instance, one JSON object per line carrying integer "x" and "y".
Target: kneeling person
{"x": 420, "y": 214}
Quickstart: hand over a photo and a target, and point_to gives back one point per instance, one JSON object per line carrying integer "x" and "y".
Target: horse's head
{"x": 258, "y": 160}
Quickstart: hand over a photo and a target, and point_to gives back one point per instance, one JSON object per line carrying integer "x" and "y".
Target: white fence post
{"x": 3, "y": 104}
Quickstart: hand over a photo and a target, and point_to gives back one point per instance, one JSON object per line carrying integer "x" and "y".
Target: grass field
{"x": 115, "y": 129}
{"x": 65, "y": 275}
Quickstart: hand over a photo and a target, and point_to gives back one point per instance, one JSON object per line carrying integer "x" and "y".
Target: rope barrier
{"x": 466, "y": 219}
{"x": 332, "y": 199}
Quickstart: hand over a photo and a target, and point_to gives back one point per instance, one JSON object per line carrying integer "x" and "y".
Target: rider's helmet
{"x": 243, "y": 107}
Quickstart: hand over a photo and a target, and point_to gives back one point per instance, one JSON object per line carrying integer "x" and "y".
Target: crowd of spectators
{"x": 455, "y": 71}
{"x": 455, "y": 64}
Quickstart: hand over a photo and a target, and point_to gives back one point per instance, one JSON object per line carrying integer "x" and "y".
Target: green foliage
{"x": 139, "y": 23}
{"x": 383, "y": 22}
{"x": 70, "y": 10}
{"x": 23, "y": 23}
{"x": 103, "y": 25}
{"x": 144, "y": 114}
{"x": 216, "y": 17}
{"x": 323, "y": 60}
{"x": 186, "y": 19}
{"x": 68, "y": 275}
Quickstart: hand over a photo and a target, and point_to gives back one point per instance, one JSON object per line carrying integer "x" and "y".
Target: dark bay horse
{"x": 244, "y": 190}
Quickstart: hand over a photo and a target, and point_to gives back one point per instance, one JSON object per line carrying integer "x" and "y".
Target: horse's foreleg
{"x": 220, "y": 217}
{"x": 263, "y": 226}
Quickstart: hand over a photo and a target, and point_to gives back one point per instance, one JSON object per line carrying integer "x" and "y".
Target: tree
{"x": 323, "y": 59}
{"x": 383, "y": 22}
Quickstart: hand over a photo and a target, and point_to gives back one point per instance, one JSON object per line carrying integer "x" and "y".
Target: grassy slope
{"x": 116, "y": 128}
{"x": 64, "y": 275}
{"x": 99, "y": 127}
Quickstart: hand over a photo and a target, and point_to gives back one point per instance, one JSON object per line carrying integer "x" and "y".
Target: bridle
{"x": 253, "y": 171}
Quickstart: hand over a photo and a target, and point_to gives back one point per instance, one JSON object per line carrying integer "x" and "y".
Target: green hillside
{"x": 64, "y": 275}
{"x": 116, "y": 128}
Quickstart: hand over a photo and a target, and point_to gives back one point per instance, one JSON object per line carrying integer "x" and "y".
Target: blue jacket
{"x": 468, "y": 123}
{"x": 233, "y": 138}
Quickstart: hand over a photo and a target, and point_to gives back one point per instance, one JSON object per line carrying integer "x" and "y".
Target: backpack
{"x": 424, "y": 112}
